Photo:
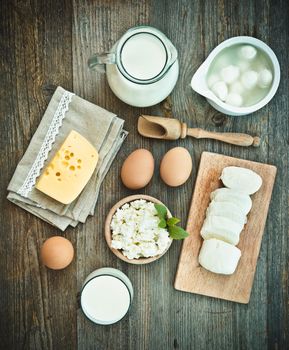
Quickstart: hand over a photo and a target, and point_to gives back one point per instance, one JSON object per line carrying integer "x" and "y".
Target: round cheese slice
{"x": 221, "y": 228}
{"x": 227, "y": 210}
{"x": 241, "y": 179}
{"x": 219, "y": 257}
{"x": 242, "y": 200}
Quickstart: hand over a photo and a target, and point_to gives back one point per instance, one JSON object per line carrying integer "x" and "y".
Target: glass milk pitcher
{"x": 142, "y": 67}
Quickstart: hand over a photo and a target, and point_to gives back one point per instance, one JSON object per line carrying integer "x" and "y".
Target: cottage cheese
{"x": 135, "y": 230}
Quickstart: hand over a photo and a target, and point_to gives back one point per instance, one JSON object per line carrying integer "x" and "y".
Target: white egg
{"x": 265, "y": 78}
{"x": 234, "y": 99}
{"x": 220, "y": 89}
{"x": 230, "y": 73}
{"x": 213, "y": 78}
{"x": 237, "y": 88}
{"x": 249, "y": 79}
{"x": 248, "y": 52}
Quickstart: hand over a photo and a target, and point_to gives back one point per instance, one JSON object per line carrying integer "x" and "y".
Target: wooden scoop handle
{"x": 228, "y": 137}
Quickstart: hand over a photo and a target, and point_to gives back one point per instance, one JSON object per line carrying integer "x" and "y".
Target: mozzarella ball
{"x": 237, "y": 88}
{"x": 220, "y": 89}
{"x": 213, "y": 78}
{"x": 265, "y": 78}
{"x": 249, "y": 79}
{"x": 248, "y": 52}
{"x": 234, "y": 99}
{"x": 243, "y": 65}
{"x": 230, "y": 73}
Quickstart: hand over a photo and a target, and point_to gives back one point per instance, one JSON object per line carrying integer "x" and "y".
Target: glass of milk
{"x": 142, "y": 67}
{"x": 106, "y": 296}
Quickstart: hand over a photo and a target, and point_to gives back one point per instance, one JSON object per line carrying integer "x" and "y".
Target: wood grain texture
{"x": 191, "y": 277}
{"x": 38, "y": 311}
{"x": 47, "y": 43}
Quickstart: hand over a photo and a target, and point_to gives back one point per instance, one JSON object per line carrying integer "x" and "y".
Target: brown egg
{"x": 57, "y": 252}
{"x": 176, "y": 166}
{"x": 137, "y": 170}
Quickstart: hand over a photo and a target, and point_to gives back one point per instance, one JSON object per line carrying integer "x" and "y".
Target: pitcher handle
{"x": 98, "y": 61}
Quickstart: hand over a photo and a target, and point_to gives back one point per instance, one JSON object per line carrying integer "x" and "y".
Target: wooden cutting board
{"x": 193, "y": 278}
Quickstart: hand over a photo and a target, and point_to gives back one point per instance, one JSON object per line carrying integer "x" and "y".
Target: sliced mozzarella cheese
{"x": 227, "y": 210}
{"x": 242, "y": 200}
{"x": 221, "y": 228}
{"x": 219, "y": 257}
{"x": 241, "y": 179}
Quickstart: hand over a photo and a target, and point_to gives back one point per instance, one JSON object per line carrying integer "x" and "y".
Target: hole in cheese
{"x": 59, "y": 179}
{"x": 78, "y": 167}
{"x": 65, "y": 163}
{"x": 79, "y": 161}
{"x": 58, "y": 173}
{"x": 67, "y": 157}
{"x": 71, "y": 154}
{"x": 72, "y": 167}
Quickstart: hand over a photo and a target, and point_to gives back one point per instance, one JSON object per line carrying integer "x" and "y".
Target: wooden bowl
{"x": 108, "y": 235}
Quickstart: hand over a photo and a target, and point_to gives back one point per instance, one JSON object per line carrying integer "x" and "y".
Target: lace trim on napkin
{"x": 46, "y": 146}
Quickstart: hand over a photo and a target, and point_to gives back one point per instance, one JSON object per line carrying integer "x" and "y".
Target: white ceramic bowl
{"x": 199, "y": 83}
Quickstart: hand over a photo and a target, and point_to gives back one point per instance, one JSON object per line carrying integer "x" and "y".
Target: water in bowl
{"x": 240, "y": 75}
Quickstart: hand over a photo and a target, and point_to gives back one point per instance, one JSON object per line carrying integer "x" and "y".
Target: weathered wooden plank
{"x": 35, "y": 57}
{"x": 278, "y": 228}
{"x": 96, "y": 26}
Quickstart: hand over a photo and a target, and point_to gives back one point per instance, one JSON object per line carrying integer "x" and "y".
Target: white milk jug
{"x": 142, "y": 67}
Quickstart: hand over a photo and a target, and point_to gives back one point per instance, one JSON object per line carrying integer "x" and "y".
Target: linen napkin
{"x": 65, "y": 112}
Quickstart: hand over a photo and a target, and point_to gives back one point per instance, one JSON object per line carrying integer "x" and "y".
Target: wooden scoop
{"x": 173, "y": 129}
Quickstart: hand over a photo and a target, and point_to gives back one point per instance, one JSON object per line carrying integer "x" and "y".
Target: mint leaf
{"x": 172, "y": 221}
{"x": 162, "y": 223}
{"x": 162, "y": 211}
{"x": 177, "y": 232}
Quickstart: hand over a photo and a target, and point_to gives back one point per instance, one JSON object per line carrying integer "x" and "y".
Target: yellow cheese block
{"x": 69, "y": 171}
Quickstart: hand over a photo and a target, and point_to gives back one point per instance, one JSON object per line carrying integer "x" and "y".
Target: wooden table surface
{"x": 47, "y": 43}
